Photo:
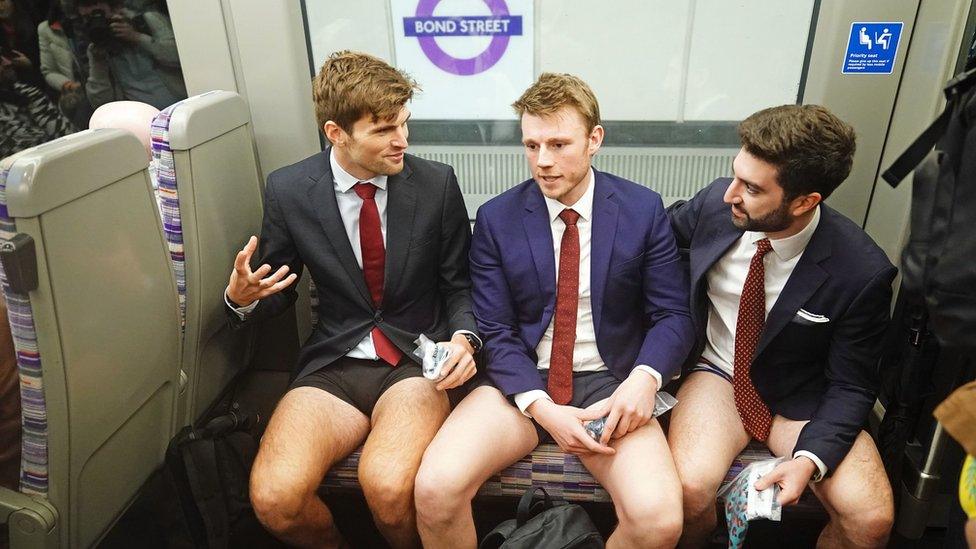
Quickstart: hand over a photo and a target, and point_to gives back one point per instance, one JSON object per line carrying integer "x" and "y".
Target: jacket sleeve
{"x": 162, "y": 43}
{"x": 684, "y": 214}
{"x": 852, "y": 374}
{"x": 672, "y": 333}
{"x": 99, "y": 86}
{"x": 507, "y": 363}
{"x": 49, "y": 63}
{"x": 276, "y": 248}
{"x": 455, "y": 280}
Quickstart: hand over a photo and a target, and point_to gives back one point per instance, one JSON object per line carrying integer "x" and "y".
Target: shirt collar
{"x": 791, "y": 246}
{"x": 583, "y": 206}
{"x": 343, "y": 181}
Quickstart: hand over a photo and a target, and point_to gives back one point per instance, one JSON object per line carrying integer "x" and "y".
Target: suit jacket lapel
{"x": 323, "y": 199}
{"x": 806, "y": 278}
{"x": 601, "y": 243}
{"x": 539, "y": 234}
{"x": 400, "y": 205}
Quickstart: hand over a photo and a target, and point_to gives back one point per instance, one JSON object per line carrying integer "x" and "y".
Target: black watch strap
{"x": 473, "y": 341}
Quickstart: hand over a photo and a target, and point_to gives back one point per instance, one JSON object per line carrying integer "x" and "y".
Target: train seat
{"x": 210, "y": 200}
{"x": 95, "y": 318}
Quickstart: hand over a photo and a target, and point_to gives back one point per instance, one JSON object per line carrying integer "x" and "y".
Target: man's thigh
{"x": 858, "y": 485}
{"x": 641, "y": 473}
{"x": 483, "y": 435}
{"x": 706, "y": 433}
{"x": 309, "y": 431}
{"x": 405, "y": 419}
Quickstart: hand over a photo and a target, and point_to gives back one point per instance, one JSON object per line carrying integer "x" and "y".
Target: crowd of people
{"x": 62, "y": 59}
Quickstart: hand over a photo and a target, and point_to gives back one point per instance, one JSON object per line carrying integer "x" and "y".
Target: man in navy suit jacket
{"x": 790, "y": 299}
{"x": 580, "y": 297}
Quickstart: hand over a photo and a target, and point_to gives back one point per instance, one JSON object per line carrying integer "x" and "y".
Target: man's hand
{"x": 70, "y": 85}
{"x": 246, "y": 286}
{"x": 460, "y": 366}
{"x": 629, "y": 407}
{"x": 565, "y": 424}
{"x": 123, "y": 30}
{"x": 791, "y": 476}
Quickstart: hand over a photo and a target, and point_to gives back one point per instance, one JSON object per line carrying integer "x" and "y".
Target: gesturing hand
{"x": 247, "y": 286}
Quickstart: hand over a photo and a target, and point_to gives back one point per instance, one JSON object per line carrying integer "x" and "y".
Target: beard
{"x": 774, "y": 221}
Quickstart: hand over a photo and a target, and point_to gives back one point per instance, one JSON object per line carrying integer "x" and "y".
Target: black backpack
{"x": 938, "y": 261}
{"x": 544, "y": 524}
{"x": 206, "y": 476}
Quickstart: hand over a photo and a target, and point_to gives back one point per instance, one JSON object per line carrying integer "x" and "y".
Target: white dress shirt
{"x": 586, "y": 356}
{"x": 349, "y": 205}
{"x": 725, "y": 281}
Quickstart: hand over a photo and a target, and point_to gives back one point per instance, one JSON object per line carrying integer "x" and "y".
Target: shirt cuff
{"x": 821, "y": 466}
{"x": 241, "y": 311}
{"x": 524, "y": 400}
{"x": 481, "y": 344}
{"x": 654, "y": 373}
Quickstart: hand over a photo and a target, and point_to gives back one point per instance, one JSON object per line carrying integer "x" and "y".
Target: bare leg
{"x": 857, "y": 496}
{"x": 309, "y": 431}
{"x": 641, "y": 479}
{"x": 483, "y": 435}
{"x": 405, "y": 419}
{"x": 706, "y": 435}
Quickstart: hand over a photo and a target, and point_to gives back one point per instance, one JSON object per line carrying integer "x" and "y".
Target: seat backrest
{"x": 97, "y": 335}
{"x": 211, "y": 202}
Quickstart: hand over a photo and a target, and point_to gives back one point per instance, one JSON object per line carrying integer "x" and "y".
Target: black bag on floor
{"x": 544, "y": 525}
{"x": 206, "y": 474}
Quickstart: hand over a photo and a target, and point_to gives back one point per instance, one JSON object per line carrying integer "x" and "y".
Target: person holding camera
{"x": 131, "y": 56}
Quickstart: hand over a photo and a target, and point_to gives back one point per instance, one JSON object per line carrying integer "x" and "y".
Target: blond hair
{"x": 352, "y": 84}
{"x": 553, "y": 91}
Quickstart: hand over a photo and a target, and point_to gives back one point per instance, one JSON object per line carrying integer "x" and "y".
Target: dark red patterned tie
{"x": 374, "y": 265}
{"x": 567, "y": 304}
{"x": 748, "y": 327}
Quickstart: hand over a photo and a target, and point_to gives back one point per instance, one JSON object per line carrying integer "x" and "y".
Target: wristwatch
{"x": 473, "y": 341}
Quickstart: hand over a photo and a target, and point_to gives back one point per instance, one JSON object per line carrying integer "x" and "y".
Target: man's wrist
{"x": 459, "y": 339}
{"x": 538, "y": 406}
{"x": 811, "y": 467}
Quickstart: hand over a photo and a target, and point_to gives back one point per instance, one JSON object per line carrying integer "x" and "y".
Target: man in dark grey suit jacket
{"x": 790, "y": 299}
{"x": 385, "y": 238}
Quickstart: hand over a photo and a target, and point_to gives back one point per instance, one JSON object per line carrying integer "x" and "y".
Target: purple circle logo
{"x": 500, "y": 26}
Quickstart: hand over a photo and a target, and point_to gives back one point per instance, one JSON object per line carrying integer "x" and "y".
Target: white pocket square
{"x": 806, "y": 317}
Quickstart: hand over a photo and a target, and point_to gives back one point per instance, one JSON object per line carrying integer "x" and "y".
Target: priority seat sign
{"x": 871, "y": 48}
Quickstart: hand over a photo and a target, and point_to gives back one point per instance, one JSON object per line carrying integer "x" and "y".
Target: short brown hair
{"x": 352, "y": 84}
{"x": 810, "y": 147}
{"x": 553, "y": 91}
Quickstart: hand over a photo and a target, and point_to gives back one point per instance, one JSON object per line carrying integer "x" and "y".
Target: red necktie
{"x": 374, "y": 265}
{"x": 567, "y": 303}
{"x": 748, "y": 327}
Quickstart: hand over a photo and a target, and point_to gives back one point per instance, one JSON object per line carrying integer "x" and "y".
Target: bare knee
{"x": 651, "y": 523}
{"x": 698, "y": 497}
{"x": 390, "y": 499}
{"x": 439, "y": 492}
{"x": 278, "y": 504}
{"x": 869, "y": 528}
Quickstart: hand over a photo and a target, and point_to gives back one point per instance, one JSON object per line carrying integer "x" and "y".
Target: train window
{"x": 61, "y": 60}
{"x": 673, "y": 78}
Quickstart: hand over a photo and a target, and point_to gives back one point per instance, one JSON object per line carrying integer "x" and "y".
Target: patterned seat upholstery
{"x": 561, "y": 474}
{"x": 33, "y": 460}
{"x": 168, "y": 197}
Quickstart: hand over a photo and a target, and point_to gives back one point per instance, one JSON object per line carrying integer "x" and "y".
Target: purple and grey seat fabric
{"x": 562, "y": 475}
{"x": 34, "y": 438}
{"x": 167, "y": 195}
